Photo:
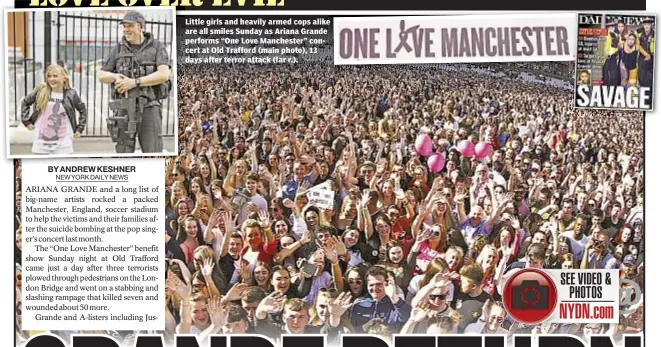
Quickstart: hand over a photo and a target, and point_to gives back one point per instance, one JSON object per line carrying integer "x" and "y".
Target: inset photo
{"x": 91, "y": 82}
{"x": 615, "y": 61}
{"x": 584, "y": 77}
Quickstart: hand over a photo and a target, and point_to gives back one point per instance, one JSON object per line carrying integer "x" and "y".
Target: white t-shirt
{"x": 53, "y": 132}
{"x": 193, "y": 329}
{"x": 217, "y": 244}
{"x": 252, "y": 258}
{"x": 245, "y": 209}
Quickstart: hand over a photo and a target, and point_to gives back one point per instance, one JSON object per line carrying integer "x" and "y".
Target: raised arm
{"x": 418, "y": 314}
{"x": 495, "y": 216}
{"x": 332, "y": 255}
{"x": 265, "y": 222}
{"x": 460, "y": 200}
{"x": 271, "y": 304}
{"x": 218, "y": 313}
{"x": 365, "y": 215}
{"x": 586, "y": 255}
{"x": 230, "y": 228}
{"x": 289, "y": 250}
{"x": 207, "y": 272}
{"x": 184, "y": 291}
{"x": 229, "y": 180}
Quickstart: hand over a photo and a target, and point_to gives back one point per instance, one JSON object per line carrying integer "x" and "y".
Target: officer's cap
{"x": 648, "y": 20}
{"x": 133, "y": 17}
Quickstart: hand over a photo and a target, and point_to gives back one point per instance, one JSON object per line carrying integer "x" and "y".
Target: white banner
{"x": 586, "y": 296}
{"x": 322, "y": 196}
{"x": 455, "y": 39}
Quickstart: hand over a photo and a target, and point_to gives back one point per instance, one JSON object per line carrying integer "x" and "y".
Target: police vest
{"x": 646, "y": 41}
{"x": 141, "y": 62}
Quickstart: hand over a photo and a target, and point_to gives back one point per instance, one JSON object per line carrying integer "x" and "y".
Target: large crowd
{"x": 298, "y": 203}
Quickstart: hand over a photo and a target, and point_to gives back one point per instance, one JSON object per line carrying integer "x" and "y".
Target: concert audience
{"x": 298, "y": 203}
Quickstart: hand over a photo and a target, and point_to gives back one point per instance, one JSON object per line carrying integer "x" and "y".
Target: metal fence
{"x": 23, "y": 73}
{"x": 81, "y": 40}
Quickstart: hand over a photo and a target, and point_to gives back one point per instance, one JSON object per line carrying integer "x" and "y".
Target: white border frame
{"x": 173, "y": 58}
{"x": 615, "y": 13}
{"x": 652, "y": 159}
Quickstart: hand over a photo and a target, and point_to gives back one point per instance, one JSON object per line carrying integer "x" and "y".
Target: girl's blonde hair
{"x": 447, "y": 323}
{"x": 202, "y": 201}
{"x": 435, "y": 266}
{"x": 44, "y": 90}
{"x": 483, "y": 254}
{"x": 448, "y": 219}
{"x": 173, "y": 199}
{"x": 203, "y": 252}
{"x": 460, "y": 255}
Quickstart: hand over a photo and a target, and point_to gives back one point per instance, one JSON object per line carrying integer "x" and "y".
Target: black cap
{"x": 133, "y": 17}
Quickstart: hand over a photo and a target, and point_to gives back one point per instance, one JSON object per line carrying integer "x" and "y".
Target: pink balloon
{"x": 466, "y": 148}
{"x": 423, "y": 145}
{"x": 436, "y": 162}
{"x": 482, "y": 150}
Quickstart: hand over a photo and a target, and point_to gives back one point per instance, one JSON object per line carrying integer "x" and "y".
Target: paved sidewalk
{"x": 21, "y": 143}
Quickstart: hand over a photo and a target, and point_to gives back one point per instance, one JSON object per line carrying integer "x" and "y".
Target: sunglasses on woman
{"x": 437, "y": 296}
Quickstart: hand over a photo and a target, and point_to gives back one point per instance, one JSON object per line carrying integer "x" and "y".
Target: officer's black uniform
{"x": 646, "y": 67}
{"x": 611, "y": 75}
{"x": 146, "y": 58}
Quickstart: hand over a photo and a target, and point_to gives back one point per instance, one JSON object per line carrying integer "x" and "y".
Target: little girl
{"x": 53, "y": 116}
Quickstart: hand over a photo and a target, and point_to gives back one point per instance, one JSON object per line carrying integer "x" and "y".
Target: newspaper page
{"x": 358, "y": 178}
{"x": 90, "y": 244}
{"x": 615, "y": 66}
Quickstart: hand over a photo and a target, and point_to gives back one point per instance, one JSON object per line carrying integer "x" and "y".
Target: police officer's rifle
{"x": 128, "y": 107}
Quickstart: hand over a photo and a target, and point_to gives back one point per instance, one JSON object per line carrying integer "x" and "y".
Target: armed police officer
{"x": 646, "y": 38}
{"x": 139, "y": 70}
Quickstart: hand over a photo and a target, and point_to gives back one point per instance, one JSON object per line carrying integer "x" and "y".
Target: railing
{"x": 23, "y": 73}
{"x": 84, "y": 52}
